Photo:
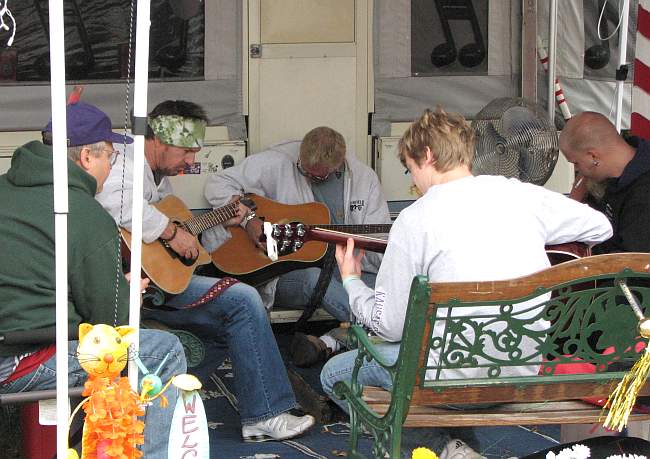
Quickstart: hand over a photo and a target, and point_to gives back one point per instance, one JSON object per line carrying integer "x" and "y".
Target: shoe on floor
{"x": 307, "y": 350}
{"x": 281, "y": 427}
{"x": 340, "y": 335}
{"x": 458, "y": 449}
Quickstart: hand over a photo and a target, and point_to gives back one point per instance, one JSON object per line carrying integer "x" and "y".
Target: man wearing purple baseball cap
{"x": 98, "y": 290}
{"x": 90, "y": 140}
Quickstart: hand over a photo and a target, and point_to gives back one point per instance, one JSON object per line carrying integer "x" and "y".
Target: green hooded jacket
{"x": 27, "y": 274}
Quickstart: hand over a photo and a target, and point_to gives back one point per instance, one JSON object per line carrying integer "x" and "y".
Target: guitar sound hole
{"x": 187, "y": 261}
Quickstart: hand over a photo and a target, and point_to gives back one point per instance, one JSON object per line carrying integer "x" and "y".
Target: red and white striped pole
{"x": 640, "y": 120}
{"x": 559, "y": 92}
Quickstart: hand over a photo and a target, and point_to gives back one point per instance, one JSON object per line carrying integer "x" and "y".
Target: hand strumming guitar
{"x": 181, "y": 241}
{"x": 254, "y": 229}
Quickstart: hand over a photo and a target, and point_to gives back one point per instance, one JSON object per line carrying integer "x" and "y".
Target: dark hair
{"x": 182, "y": 108}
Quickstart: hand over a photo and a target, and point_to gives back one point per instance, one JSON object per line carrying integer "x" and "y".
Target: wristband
{"x": 350, "y": 278}
{"x": 174, "y": 231}
{"x": 249, "y": 216}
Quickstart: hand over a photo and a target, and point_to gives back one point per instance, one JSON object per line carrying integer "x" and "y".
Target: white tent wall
{"x": 398, "y": 95}
{"x": 219, "y": 93}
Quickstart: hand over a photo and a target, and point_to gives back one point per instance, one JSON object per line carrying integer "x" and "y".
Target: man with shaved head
{"x": 591, "y": 143}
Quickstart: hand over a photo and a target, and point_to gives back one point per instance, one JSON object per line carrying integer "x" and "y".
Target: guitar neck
{"x": 196, "y": 225}
{"x": 373, "y": 244}
{"x": 356, "y": 229}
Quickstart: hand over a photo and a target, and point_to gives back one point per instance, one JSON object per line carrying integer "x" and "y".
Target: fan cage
{"x": 514, "y": 138}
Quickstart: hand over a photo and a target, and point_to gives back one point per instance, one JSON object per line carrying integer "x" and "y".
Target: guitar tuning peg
{"x": 284, "y": 247}
{"x": 300, "y": 230}
{"x": 288, "y": 231}
{"x": 276, "y": 231}
{"x": 296, "y": 245}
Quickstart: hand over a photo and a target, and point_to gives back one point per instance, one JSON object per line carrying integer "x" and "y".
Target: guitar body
{"x": 560, "y": 253}
{"x": 160, "y": 264}
{"x": 239, "y": 257}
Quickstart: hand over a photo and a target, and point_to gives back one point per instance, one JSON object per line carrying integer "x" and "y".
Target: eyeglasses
{"x": 112, "y": 156}
{"x": 310, "y": 176}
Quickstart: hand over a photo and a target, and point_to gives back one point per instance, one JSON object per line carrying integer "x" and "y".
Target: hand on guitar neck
{"x": 349, "y": 262}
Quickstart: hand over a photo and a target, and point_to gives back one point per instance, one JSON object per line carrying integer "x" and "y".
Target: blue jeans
{"x": 154, "y": 346}
{"x": 296, "y": 287}
{"x": 237, "y": 319}
{"x": 339, "y": 368}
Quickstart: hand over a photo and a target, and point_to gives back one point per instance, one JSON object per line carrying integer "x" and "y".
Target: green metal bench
{"x": 587, "y": 313}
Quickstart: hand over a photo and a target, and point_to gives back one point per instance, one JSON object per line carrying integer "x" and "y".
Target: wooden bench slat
{"x": 574, "y": 412}
{"x": 498, "y": 419}
{"x": 379, "y": 395}
{"x": 507, "y": 393}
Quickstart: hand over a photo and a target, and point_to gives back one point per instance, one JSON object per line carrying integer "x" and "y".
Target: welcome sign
{"x": 189, "y": 437}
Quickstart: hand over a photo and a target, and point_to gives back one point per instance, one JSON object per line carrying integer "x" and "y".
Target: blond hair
{"x": 322, "y": 146}
{"x": 449, "y": 136}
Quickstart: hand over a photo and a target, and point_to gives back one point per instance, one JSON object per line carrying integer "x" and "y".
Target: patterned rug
{"x": 330, "y": 440}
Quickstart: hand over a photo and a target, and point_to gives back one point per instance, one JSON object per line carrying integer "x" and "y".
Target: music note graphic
{"x": 470, "y": 55}
{"x": 597, "y": 56}
{"x": 4, "y": 11}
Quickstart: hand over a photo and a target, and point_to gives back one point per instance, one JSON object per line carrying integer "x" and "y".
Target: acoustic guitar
{"x": 169, "y": 271}
{"x": 291, "y": 237}
{"x": 239, "y": 257}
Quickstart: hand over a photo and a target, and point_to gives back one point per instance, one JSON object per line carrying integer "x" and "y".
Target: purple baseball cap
{"x": 87, "y": 125}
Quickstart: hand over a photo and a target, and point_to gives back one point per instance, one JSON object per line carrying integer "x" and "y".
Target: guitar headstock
{"x": 290, "y": 237}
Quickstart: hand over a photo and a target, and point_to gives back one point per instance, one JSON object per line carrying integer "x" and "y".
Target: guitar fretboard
{"x": 196, "y": 225}
{"x": 357, "y": 229}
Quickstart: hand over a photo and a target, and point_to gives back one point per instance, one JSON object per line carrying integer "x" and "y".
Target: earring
{"x": 595, "y": 163}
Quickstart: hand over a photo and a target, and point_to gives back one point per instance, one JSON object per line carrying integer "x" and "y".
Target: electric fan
{"x": 514, "y": 138}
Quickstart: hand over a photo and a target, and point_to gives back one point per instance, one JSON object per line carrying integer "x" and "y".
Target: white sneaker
{"x": 458, "y": 449}
{"x": 281, "y": 427}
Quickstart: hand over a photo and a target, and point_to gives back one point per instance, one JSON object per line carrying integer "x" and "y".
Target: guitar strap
{"x": 324, "y": 279}
{"x": 217, "y": 289}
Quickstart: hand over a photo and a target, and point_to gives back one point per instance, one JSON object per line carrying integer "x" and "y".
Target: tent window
{"x": 96, "y": 37}
{"x": 449, "y": 37}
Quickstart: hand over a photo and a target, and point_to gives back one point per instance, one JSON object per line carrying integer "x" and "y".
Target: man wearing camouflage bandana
{"x": 236, "y": 318}
{"x": 178, "y": 130}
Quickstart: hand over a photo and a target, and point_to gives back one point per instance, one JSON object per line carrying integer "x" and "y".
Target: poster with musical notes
{"x": 449, "y": 37}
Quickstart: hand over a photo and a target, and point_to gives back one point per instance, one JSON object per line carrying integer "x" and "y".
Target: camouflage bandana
{"x": 178, "y": 131}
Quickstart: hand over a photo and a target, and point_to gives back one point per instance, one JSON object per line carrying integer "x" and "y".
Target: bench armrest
{"x": 359, "y": 339}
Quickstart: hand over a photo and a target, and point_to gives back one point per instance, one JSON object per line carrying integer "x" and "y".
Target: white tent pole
{"x": 60, "y": 181}
{"x": 552, "y": 48}
{"x": 622, "y": 57}
{"x": 139, "y": 112}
